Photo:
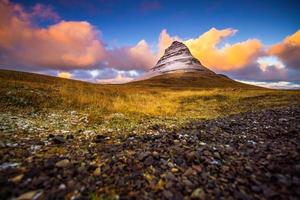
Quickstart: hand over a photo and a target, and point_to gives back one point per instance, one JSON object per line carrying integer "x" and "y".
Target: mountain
{"x": 178, "y": 67}
{"x": 178, "y": 57}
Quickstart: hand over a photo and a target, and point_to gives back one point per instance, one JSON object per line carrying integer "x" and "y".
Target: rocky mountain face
{"x": 177, "y": 58}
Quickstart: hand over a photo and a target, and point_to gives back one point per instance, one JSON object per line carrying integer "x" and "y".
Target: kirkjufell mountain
{"x": 177, "y": 58}
{"x": 178, "y": 67}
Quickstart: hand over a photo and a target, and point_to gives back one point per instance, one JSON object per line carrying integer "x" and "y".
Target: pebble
{"x": 174, "y": 170}
{"x": 158, "y": 165}
{"x": 167, "y": 194}
{"x": 58, "y": 140}
{"x": 198, "y": 194}
{"x": 143, "y": 155}
{"x": 97, "y": 171}
{"x": 17, "y": 178}
{"x": 63, "y": 163}
{"x": 31, "y": 195}
{"x": 62, "y": 187}
{"x": 149, "y": 160}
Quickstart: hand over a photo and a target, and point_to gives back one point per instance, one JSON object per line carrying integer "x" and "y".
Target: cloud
{"x": 139, "y": 56}
{"x": 104, "y": 75}
{"x": 65, "y": 45}
{"x": 164, "y": 41}
{"x": 230, "y": 56}
{"x": 119, "y": 79}
{"x": 288, "y": 51}
{"x": 64, "y": 75}
{"x": 274, "y": 85}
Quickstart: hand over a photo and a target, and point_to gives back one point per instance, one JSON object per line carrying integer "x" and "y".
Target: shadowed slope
{"x": 193, "y": 79}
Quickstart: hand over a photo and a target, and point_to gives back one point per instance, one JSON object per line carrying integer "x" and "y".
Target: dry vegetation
{"x": 27, "y": 93}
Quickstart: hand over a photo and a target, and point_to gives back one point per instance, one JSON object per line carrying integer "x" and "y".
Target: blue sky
{"x": 126, "y": 22}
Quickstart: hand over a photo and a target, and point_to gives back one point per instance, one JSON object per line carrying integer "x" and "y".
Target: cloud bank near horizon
{"x": 72, "y": 47}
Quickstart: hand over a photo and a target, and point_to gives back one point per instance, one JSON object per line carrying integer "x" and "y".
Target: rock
{"x": 198, "y": 194}
{"x": 167, "y": 194}
{"x": 63, "y": 163}
{"x": 12, "y": 145}
{"x": 2, "y": 144}
{"x": 70, "y": 137}
{"x": 198, "y": 168}
{"x": 256, "y": 189}
{"x": 32, "y": 195}
{"x": 207, "y": 153}
{"x": 58, "y": 140}
{"x": 176, "y": 141}
{"x": 143, "y": 155}
{"x": 4, "y": 166}
{"x": 174, "y": 170}
{"x": 170, "y": 164}
{"x": 190, "y": 172}
{"x": 217, "y": 155}
{"x": 155, "y": 154}
{"x": 225, "y": 168}
{"x": 62, "y": 187}
{"x": 97, "y": 171}
{"x": 149, "y": 160}
{"x": 16, "y": 179}
{"x": 99, "y": 138}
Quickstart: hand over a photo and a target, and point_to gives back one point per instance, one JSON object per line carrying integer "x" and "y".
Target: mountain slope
{"x": 192, "y": 79}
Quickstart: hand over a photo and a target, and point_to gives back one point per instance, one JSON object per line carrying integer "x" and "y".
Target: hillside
{"x": 70, "y": 139}
{"x": 193, "y": 80}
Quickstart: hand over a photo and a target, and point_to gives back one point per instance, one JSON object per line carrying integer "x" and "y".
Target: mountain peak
{"x": 177, "y": 44}
{"x": 177, "y": 57}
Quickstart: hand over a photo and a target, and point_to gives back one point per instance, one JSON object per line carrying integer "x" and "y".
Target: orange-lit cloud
{"x": 142, "y": 54}
{"x": 288, "y": 51}
{"x": 64, "y": 45}
{"x": 230, "y": 57}
{"x": 65, "y": 75}
{"x": 164, "y": 41}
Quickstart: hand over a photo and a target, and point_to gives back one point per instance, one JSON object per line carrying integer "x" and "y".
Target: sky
{"x": 114, "y": 41}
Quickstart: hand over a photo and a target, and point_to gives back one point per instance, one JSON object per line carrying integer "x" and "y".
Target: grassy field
{"x": 127, "y": 106}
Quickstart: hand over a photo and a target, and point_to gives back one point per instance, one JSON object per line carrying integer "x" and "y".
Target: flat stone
{"x": 63, "y": 163}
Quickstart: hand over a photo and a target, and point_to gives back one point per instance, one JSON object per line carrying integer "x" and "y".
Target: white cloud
{"x": 274, "y": 85}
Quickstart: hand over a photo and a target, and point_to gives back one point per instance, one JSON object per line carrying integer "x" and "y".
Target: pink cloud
{"x": 65, "y": 45}
{"x": 139, "y": 56}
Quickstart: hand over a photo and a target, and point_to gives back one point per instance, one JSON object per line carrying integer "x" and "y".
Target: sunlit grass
{"x": 133, "y": 104}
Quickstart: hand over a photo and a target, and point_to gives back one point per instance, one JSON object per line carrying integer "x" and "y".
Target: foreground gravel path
{"x": 253, "y": 155}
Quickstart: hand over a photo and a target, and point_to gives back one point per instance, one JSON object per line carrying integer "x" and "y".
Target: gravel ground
{"x": 253, "y": 155}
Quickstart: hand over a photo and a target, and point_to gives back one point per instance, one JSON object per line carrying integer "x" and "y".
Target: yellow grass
{"x": 136, "y": 103}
